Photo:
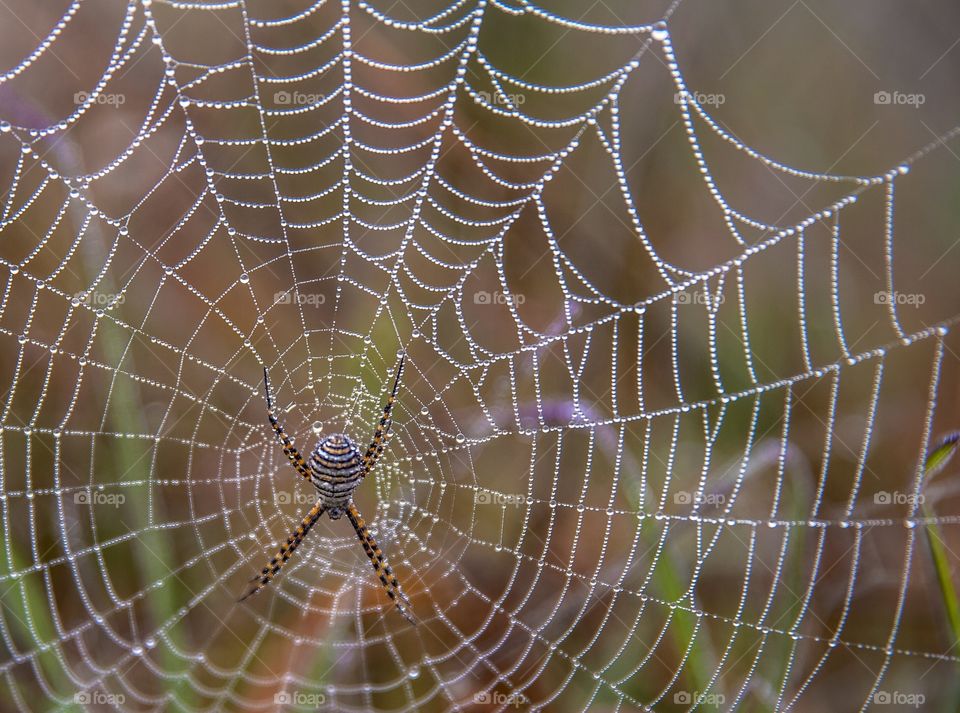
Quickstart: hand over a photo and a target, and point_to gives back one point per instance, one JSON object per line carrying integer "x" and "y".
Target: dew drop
{"x": 317, "y": 427}
{"x": 461, "y": 438}
{"x": 244, "y": 278}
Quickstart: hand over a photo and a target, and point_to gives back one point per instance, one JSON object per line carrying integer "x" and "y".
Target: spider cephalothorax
{"x": 335, "y": 469}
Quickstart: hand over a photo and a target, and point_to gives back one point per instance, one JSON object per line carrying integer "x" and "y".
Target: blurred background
{"x": 676, "y": 282}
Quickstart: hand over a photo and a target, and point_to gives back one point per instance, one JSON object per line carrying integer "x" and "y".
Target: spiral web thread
{"x": 578, "y": 506}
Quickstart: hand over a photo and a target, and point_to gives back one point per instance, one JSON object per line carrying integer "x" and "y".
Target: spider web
{"x": 637, "y": 463}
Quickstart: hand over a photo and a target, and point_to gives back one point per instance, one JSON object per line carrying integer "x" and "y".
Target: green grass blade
{"x": 938, "y": 458}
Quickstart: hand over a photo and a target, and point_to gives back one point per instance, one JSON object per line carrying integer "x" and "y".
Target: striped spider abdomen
{"x": 337, "y": 469}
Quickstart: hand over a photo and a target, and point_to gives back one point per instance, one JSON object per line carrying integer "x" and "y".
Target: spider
{"x": 336, "y": 467}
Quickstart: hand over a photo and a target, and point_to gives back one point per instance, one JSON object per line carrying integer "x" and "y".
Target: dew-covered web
{"x": 632, "y": 468}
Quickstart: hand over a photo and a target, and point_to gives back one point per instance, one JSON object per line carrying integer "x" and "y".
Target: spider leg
{"x": 387, "y": 578}
{"x": 289, "y": 450}
{"x": 383, "y": 428}
{"x": 293, "y": 541}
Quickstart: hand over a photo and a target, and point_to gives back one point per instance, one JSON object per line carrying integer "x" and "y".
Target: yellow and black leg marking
{"x": 387, "y": 578}
{"x": 289, "y": 450}
{"x": 383, "y": 428}
{"x": 293, "y": 541}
